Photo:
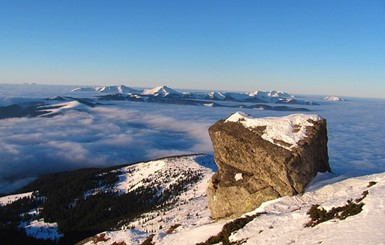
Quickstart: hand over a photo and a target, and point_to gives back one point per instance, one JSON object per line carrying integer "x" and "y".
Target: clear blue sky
{"x": 332, "y": 47}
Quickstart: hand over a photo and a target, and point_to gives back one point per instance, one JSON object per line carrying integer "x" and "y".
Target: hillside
{"x": 164, "y": 201}
{"x": 70, "y": 206}
{"x": 286, "y": 220}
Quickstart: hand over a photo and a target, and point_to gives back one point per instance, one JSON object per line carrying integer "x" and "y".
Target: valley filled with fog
{"x": 65, "y": 130}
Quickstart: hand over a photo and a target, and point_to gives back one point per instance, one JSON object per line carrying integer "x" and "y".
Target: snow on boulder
{"x": 286, "y": 131}
{"x": 276, "y": 156}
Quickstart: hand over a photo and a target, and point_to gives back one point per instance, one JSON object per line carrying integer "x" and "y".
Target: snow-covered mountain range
{"x": 92, "y": 96}
{"x": 107, "y": 89}
{"x": 166, "y": 92}
{"x": 171, "y": 192}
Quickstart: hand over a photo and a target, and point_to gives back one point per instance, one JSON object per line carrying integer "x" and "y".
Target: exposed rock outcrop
{"x": 263, "y": 159}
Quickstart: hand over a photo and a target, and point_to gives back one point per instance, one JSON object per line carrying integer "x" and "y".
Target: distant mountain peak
{"x": 273, "y": 93}
{"x": 117, "y": 89}
{"x": 216, "y": 95}
{"x": 333, "y": 98}
{"x": 162, "y": 90}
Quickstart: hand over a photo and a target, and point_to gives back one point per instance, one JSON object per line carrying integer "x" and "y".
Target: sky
{"x": 301, "y": 47}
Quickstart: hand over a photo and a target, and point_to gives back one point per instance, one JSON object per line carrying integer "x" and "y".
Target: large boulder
{"x": 261, "y": 159}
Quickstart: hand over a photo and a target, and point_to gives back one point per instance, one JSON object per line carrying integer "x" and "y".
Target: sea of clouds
{"x": 125, "y": 132}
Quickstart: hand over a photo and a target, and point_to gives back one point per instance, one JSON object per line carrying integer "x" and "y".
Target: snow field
{"x": 11, "y": 198}
{"x": 41, "y": 230}
{"x": 286, "y": 217}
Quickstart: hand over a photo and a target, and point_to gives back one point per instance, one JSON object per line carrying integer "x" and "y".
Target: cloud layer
{"x": 95, "y": 137}
{"x": 126, "y": 132}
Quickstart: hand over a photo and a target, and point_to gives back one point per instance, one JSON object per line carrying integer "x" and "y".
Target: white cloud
{"x": 129, "y": 132}
{"x": 100, "y": 136}
{"x": 7, "y": 186}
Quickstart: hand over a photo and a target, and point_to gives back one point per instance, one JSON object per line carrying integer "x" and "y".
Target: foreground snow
{"x": 284, "y": 219}
{"x": 281, "y": 221}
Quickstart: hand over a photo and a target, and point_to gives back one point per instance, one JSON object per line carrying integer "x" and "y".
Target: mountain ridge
{"x": 274, "y": 96}
{"x": 79, "y": 203}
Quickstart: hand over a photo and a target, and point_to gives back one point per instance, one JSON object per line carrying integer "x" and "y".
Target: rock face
{"x": 264, "y": 159}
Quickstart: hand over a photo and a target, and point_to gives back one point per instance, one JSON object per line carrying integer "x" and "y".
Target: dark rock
{"x": 257, "y": 162}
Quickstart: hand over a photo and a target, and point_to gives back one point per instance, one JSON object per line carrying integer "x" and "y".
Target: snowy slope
{"x": 160, "y": 91}
{"x": 179, "y": 197}
{"x": 272, "y": 96}
{"x": 61, "y": 107}
{"x": 12, "y": 198}
{"x": 190, "y": 208}
{"x": 117, "y": 89}
{"x": 284, "y": 219}
{"x": 41, "y": 230}
{"x": 108, "y": 89}
{"x": 187, "y": 219}
{"x": 216, "y": 95}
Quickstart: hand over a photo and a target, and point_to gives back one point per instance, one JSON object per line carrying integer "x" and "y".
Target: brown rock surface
{"x": 264, "y": 159}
